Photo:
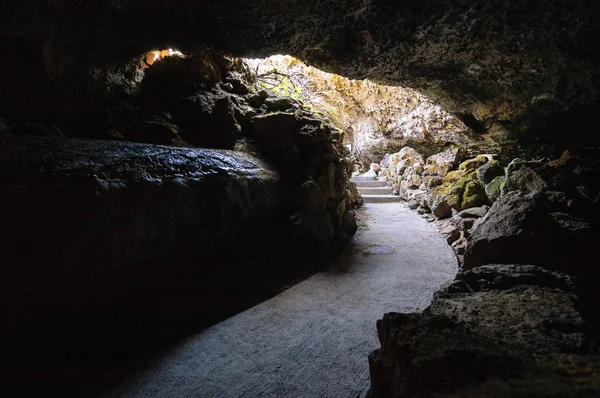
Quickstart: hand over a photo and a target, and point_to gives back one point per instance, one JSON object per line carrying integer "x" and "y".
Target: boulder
{"x": 440, "y": 164}
{"x": 529, "y": 228}
{"x": 474, "y": 195}
{"x": 276, "y": 104}
{"x": 521, "y": 175}
{"x": 449, "y": 231}
{"x": 498, "y": 331}
{"x": 475, "y": 163}
{"x": 493, "y": 190}
{"x": 474, "y": 212}
{"x": 488, "y": 171}
{"x": 275, "y": 130}
{"x": 459, "y": 190}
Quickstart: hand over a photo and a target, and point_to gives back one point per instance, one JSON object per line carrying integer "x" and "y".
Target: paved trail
{"x": 313, "y": 339}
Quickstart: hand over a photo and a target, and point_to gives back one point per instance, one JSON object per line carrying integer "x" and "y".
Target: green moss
{"x": 474, "y": 195}
{"x": 494, "y": 188}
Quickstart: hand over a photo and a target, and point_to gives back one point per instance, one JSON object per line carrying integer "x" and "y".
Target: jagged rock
{"x": 207, "y": 118}
{"x": 493, "y": 190}
{"x": 355, "y": 198}
{"x": 523, "y": 228}
{"x": 497, "y": 331}
{"x": 227, "y": 87}
{"x": 364, "y": 40}
{"x": 474, "y": 195}
{"x": 449, "y": 231}
{"x": 460, "y": 189}
{"x": 474, "y": 212}
{"x": 274, "y": 131}
{"x": 459, "y": 246}
{"x": 412, "y": 177}
{"x": 475, "y": 163}
{"x": 432, "y": 181}
{"x": 488, "y": 171}
{"x": 403, "y": 169}
{"x": 520, "y": 176}
{"x": 438, "y": 203}
{"x": 278, "y": 103}
{"x": 440, "y": 164}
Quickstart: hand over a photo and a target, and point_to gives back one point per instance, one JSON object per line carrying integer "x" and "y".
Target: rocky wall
{"x": 88, "y": 223}
{"x": 521, "y": 318}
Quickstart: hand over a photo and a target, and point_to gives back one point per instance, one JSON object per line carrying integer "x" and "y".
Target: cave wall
{"x": 88, "y": 223}
{"x": 508, "y": 64}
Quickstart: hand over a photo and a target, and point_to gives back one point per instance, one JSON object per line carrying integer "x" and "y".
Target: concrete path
{"x": 313, "y": 339}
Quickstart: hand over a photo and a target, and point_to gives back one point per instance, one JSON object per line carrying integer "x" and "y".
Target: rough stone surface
{"x": 440, "y": 164}
{"x": 493, "y": 190}
{"x": 523, "y": 228}
{"x": 519, "y": 176}
{"x": 436, "y": 48}
{"x": 474, "y": 212}
{"x": 497, "y": 331}
{"x": 488, "y": 171}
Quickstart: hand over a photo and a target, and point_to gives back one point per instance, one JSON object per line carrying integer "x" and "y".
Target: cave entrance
{"x": 151, "y": 57}
{"x": 374, "y": 119}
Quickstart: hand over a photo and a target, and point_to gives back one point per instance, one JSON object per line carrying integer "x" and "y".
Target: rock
{"x": 356, "y": 199}
{"x": 459, "y": 246}
{"x": 523, "y": 228}
{"x": 215, "y": 112}
{"x": 520, "y": 176}
{"x": 238, "y": 86}
{"x": 474, "y": 195}
{"x": 493, "y": 190}
{"x": 474, "y": 212}
{"x": 278, "y": 103}
{"x": 475, "y": 163}
{"x": 449, "y": 231}
{"x": 488, "y": 171}
{"x": 441, "y": 163}
{"x": 497, "y": 331}
{"x": 432, "y": 181}
{"x": 438, "y": 203}
{"x": 227, "y": 87}
{"x": 139, "y": 216}
{"x": 412, "y": 177}
{"x": 256, "y": 100}
{"x": 459, "y": 190}
{"x": 375, "y": 167}
{"x": 403, "y": 169}
{"x": 274, "y": 131}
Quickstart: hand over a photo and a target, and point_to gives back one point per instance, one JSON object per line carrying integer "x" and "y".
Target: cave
{"x": 300, "y": 199}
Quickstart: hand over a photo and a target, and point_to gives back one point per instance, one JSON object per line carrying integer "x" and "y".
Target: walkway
{"x": 313, "y": 339}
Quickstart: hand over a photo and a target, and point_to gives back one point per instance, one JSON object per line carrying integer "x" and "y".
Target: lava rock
{"x": 523, "y": 228}
{"x": 490, "y": 170}
{"x": 497, "y": 331}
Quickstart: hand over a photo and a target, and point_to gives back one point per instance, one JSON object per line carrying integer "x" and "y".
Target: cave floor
{"x": 313, "y": 339}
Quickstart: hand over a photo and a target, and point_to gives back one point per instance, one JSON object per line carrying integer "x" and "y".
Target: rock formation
{"x": 529, "y": 267}
{"x": 508, "y": 69}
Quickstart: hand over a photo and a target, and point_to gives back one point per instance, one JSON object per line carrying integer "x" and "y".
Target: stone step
{"x": 375, "y": 191}
{"x": 380, "y": 198}
{"x": 370, "y": 184}
{"x": 357, "y": 179}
